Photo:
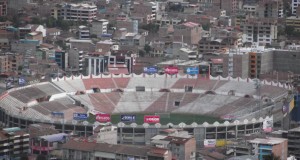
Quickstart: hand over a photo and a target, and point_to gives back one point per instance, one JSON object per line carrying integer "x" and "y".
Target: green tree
{"x": 151, "y": 27}
{"x": 141, "y": 53}
{"x": 289, "y": 30}
{"x": 36, "y": 20}
{"x": 147, "y": 48}
{"x": 271, "y": 157}
{"x": 206, "y": 26}
{"x": 61, "y": 44}
{"x": 16, "y": 21}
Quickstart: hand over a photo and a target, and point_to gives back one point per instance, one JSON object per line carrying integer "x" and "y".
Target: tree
{"x": 147, "y": 48}
{"x": 206, "y": 26}
{"x": 271, "y": 157}
{"x": 141, "y": 53}
{"x": 289, "y": 30}
{"x": 151, "y": 27}
{"x": 36, "y": 20}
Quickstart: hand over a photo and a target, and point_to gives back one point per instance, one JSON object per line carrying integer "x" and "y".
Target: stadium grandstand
{"x": 55, "y": 102}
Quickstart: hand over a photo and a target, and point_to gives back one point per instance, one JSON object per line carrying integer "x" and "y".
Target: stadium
{"x": 208, "y": 108}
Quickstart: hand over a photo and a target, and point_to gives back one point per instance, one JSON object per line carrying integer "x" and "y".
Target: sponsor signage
{"x": 150, "y": 70}
{"x": 128, "y": 118}
{"x": 22, "y": 81}
{"x": 192, "y": 70}
{"x": 285, "y": 108}
{"x": 210, "y": 143}
{"x": 103, "y": 117}
{"x": 152, "y": 119}
{"x": 171, "y": 70}
{"x": 80, "y": 116}
{"x": 61, "y": 114}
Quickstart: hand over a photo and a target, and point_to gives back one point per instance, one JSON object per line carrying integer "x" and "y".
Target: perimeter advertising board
{"x": 150, "y": 70}
{"x": 192, "y": 70}
{"x": 171, "y": 70}
{"x": 128, "y": 118}
{"x": 80, "y": 116}
{"x": 151, "y": 119}
{"x": 103, "y": 118}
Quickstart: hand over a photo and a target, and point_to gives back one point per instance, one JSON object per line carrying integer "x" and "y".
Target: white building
{"x": 260, "y": 32}
{"x": 295, "y": 4}
{"x": 99, "y": 27}
{"x": 75, "y": 12}
{"x": 84, "y": 32}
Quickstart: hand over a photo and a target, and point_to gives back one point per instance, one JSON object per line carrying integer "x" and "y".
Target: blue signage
{"x": 150, "y": 70}
{"x": 80, "y": 116}
{"x": 22, "y": 81}
{"x": 57, "y": 114}
{"x": 128, "y": 118}
{"x": 192, "y": 70}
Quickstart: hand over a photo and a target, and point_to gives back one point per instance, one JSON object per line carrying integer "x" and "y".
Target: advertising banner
{"x": 151, "y": 119}
{"x": 80, "y": 116}
{"x": 171, "y": 70}
{"x": 150, "y": 70}
{"x": 128, "y": 118}
{"x": 103, "y": 118}
{"x": 192, "y": 70}
{"x": 210, "y": 143}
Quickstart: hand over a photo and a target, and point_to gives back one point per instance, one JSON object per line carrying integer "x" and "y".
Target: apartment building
{"x": 294, "y": 142}
{"x": 266, "y": 146}
{"x": 293, "y": 21}
{"x": 3, "y": 7}
{"x": 230, "y": 6}
{"x": 259, "y": 31}
{"x": 99, "y": 27}
{"x": 76, "y": 60}
{"x": 75, "y": 12}
{"x": 79, "y": 148}
{"x": 270, "y": 9}
{"x": 295, "y": 4}
{"x": 61, "y": 58}
{"x": 183, "y": 148}
{"x": 220, "y": 38}
{"x": 14, "y": 142}
{"x": 147, "y": 10}
{"x": 251, "y": 9}
{"x": 4, "y": 64}
{"x": 84, "y": 32}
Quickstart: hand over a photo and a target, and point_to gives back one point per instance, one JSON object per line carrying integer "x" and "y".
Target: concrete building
{"x": 76, "y": 60}
{"x": 3, "y": 7}
{"x": 75, "y": 12}
{"x": 183, "y": 148}
{"x": 86, "y": 149}
{"x": 251, "y": 9}
{"x": 14, "y": 142}
{"x": 106, "y": 134}
{"x": 4, "y": 64}
{"x": 259, "y": 31}
{"x": 230, "y": 6}
{"x": 84, "y": 32}
{"x": 82, "y": 44}
{"x": 99, "y": 27}
{"x": 61, "y": 58}
{"x": 295, "y": 4}
{"x": 47, "y": 143}
{"x": 293, "y": 142}
{"x": 270, "y": 9}
{"x": 35, "y": 36}
{"x": 267, "y": 146}
{"x": 293, "y": 21}
{"x": 132, "y": 39}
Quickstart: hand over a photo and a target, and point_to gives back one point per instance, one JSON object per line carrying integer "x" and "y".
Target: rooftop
{"x": 269, "y": 140}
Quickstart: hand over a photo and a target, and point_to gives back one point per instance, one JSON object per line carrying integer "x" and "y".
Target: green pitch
{"x": 172, "y": 118}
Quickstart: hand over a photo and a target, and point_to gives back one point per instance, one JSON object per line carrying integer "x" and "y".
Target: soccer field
{"x": 165, "y": 119}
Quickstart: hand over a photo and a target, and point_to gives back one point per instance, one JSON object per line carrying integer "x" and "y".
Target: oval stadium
{"x": 214, "y": 108}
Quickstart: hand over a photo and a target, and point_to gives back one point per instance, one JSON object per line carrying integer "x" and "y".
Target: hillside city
{"x": 149, "y": 80}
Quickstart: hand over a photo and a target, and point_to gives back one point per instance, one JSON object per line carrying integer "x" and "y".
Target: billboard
{"x": 80, "y": 116}
{"x": 210, "y": 143}
{"x": 128, "y": 118}
{"x": 268, "y": 124}
{"x": 171, "y": 70}
{"x": 152, "y": 119}
{"x": 150, "y": 70}
{"x": 103, "y": 117}
{"x": 192, "y": 70}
